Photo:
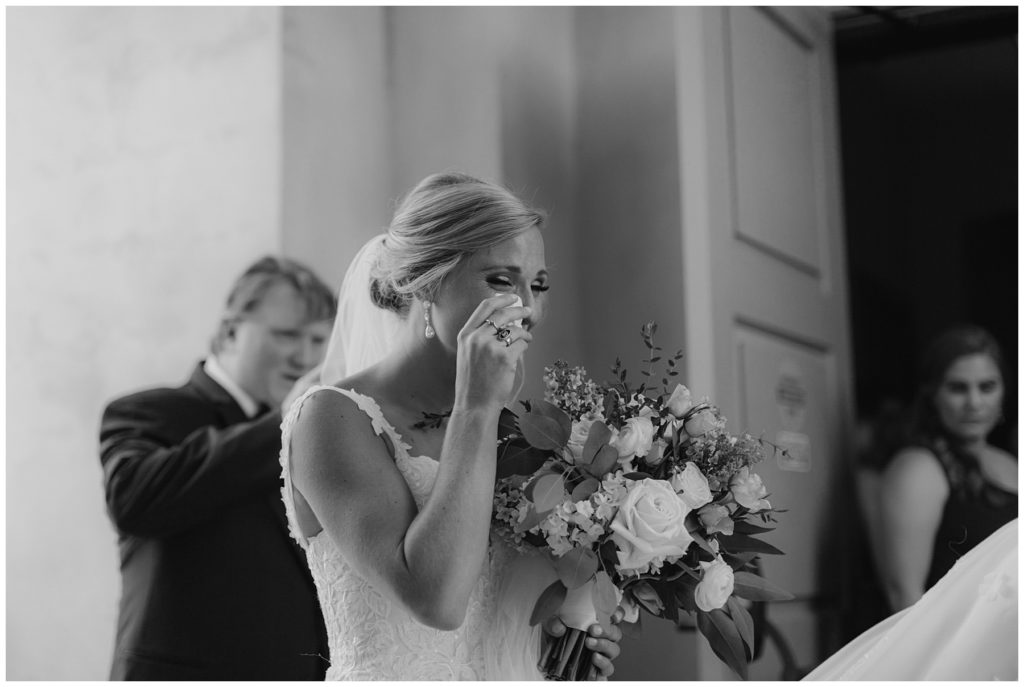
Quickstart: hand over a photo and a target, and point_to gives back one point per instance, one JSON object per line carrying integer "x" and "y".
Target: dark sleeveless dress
{"x": 967, "y": 520}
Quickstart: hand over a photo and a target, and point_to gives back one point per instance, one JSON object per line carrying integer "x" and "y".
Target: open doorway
{"x": 928, "y": 119}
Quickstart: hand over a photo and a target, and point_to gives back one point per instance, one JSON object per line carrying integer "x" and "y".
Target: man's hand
{"x": 603, "y": 641}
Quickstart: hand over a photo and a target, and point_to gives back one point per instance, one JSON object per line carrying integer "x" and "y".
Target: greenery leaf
{"x": 738, "y": 543}
{"x": 648, "y": 599}
{"x": 747, "y": 585}
{"x": 550, "y": 410}
{"x": 603, "y": 462}
{"x": 724, "y": 638}
{"x": 745, "y": 527}
{"x": 694, "y": 527}
{"x": 584, "y": 489}
{"x": 543, "y": 432}
{"x": 549, "y": 602}
{"x": 598, "y": 436}
{"x": 507, "y": 423}
{"x": 519, "y": 458}
{"x": 667, "y": 595}
{"x": 576, "y": 567}
{"x": 532, "y": 519}
{"x": 738, "y": 561}
{"x": 548, "y": 491}
{"x": 744, "y": 623}
{"x": 609, "y": 402}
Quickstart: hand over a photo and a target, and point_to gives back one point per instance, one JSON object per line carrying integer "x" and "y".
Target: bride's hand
{"x": 603, "y": 641}
{"x": 486, "y": 366}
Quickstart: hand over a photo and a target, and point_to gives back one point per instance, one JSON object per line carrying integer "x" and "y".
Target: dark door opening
{"x": 928, "y": 125}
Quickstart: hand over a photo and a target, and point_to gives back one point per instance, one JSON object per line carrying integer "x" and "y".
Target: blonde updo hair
{"x": 443, "y": 219}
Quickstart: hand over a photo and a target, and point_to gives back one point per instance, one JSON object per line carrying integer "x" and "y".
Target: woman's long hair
{"x": 925, "y": 427}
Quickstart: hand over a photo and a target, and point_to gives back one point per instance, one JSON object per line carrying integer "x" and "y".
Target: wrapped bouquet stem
{"x": 567, "y": 657}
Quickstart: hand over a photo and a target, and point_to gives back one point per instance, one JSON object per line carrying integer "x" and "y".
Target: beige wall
{"x": 142, "y": 172}
{"x": 336, "y": 147}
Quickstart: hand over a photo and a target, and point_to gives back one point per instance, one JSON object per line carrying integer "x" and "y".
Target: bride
{"x": 963, "y": 628}
{"x": 389, "y": 472}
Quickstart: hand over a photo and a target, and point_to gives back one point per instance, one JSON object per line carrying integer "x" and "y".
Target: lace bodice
{"x": 371, "y": 637}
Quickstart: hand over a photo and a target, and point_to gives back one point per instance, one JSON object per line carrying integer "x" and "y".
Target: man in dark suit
{"x": 213, "y": 586}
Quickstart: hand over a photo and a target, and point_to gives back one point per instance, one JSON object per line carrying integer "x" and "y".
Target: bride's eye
{"x": 500, "y": 281}
{"x": 540, "y": 288}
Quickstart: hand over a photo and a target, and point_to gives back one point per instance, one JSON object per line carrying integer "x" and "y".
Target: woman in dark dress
{"x": 948, "y": 488}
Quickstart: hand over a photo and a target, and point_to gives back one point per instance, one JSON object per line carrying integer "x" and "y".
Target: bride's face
{"x": 514, "y": 266}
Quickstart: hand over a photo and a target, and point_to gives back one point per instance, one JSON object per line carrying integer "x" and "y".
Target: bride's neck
{"x": 423, "y": 373}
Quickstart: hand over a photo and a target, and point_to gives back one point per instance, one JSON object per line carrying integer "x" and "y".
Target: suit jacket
{"x": 213, "y": 586}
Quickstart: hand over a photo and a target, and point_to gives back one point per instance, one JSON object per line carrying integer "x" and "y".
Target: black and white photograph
{"x": 410, "y": 342}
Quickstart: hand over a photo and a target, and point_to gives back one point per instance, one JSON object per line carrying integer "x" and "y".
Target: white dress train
{"x": 963, "y": 628}
{"x": 371, "y": 637}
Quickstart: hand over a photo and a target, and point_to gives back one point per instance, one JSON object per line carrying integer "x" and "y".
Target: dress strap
{"x": 377, "y": 420}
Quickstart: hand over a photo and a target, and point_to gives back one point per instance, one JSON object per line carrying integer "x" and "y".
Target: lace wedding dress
{"x": 963, "y": 628}
{"x": 371, "y": 637}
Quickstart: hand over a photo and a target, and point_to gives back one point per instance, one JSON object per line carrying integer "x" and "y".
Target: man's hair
{"x": 251, "y": 287}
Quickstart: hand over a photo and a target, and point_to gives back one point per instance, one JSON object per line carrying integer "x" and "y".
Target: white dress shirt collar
{"x": 218, "y": 374}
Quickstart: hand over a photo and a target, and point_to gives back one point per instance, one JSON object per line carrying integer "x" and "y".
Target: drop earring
{"x": 428, "y": 331}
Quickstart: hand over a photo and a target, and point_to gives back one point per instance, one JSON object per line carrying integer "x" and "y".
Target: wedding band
{"x": 497, "y": 329}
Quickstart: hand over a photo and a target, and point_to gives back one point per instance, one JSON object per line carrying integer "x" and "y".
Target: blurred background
{"x": 799, "y": 196}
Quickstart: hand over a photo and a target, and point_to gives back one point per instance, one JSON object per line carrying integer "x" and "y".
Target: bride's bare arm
{"x": 429, "y": 560}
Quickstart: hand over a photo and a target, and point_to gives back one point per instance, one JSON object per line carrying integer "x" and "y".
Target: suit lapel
{"x": 232, "y": 414}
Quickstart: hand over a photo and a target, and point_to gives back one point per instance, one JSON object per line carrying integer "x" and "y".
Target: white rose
{"x": 692, "y": 485}
{"x": 679, "y": 402}
{"x": 716, "y": 518}
{"x": 649, "y": 526}
{"x": 715, "y": 587}
{"x": 635, "y": 439}
{"x": 700, "y": 423}
{"x": 749, "y": 491}
{"x": 578, "y": 437}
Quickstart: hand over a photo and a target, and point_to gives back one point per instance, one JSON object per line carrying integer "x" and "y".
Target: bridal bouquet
{"x": 640, "y": 498}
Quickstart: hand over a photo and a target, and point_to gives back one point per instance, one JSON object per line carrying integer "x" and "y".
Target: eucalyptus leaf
{"x": 584, "y": 489}
{"x": 576, "y": 567}
{"x": 519, "y": 458}
{"x": 532, "y": 519}
{"x": 747, "y": 585}
{"x": 598, "y": 436}
{"x": 548, "y": 492}
{"x": 605, "y": 460}
{"x": 549, "y": 602}
{"x": 550, "y": 410}
{"x": 543, "y": 432}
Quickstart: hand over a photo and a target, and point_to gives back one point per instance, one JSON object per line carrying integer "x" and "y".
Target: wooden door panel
{"x": 772, "y": 104}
